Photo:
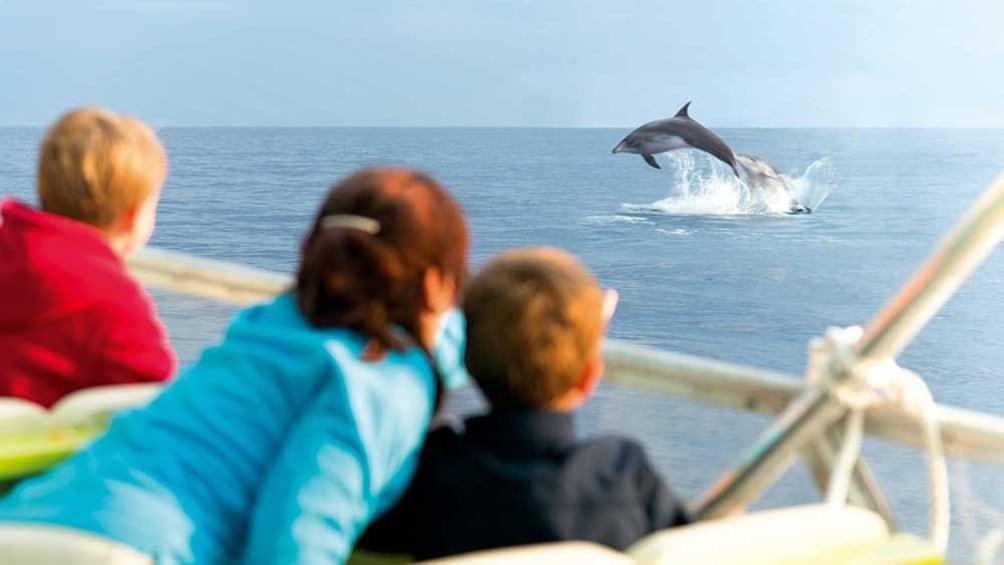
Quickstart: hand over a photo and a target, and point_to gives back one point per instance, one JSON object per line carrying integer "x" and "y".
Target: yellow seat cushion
{"x": 901, "y": 549}
{"x": 801, "y": 534}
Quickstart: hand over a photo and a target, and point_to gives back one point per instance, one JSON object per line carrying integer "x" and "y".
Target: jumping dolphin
{"x": 760, "y": 175}
{"x": 678, "y": 132}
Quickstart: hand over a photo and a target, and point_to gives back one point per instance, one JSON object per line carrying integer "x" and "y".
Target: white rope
{"x": 860, "y": 384}
{"x": 843, "y": 467}
{"x": 937, "y": 470}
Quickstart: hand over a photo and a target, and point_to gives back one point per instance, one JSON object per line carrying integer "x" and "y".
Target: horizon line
{"x": 273, "y": 126}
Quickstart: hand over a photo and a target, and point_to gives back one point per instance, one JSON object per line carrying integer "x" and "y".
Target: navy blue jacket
{"x": 516, "y": 478}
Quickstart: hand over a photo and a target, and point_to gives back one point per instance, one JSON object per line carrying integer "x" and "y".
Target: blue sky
{"x": 772, "y": 63}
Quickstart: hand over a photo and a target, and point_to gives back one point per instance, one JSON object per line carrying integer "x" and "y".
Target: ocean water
{"x": 702, "y": 265}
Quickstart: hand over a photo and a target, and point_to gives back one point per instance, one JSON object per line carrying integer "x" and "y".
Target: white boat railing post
{"x": 893, "y": 328}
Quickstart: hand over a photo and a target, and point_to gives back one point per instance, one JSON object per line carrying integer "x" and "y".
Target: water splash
{"x": 813, "y": 185}
{"x": 705, "y": 187}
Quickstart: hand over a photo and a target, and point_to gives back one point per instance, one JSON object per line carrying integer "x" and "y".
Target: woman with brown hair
{"x": 285, "y": 440}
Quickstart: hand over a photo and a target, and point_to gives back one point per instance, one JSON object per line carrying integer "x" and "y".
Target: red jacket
{"x": 71, "y": 317}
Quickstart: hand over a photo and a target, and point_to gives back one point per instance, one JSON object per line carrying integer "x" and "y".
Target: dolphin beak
{"x": 618, "y": 148}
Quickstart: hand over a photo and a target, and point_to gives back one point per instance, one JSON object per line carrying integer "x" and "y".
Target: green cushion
{"x": 27, "y": 454}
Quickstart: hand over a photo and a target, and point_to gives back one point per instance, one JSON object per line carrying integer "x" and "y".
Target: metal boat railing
{"x": 967, "y": 433}
{"x": 809, "y": 411}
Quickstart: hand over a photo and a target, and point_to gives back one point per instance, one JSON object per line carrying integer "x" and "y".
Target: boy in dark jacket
{"x": 71, "y": 317}
{"x": 517, "y": 475}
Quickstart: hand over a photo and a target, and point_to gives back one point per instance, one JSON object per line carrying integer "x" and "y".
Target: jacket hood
{"x": 51, "y": 266}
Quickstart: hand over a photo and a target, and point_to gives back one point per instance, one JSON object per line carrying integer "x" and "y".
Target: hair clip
{"x": 352, "y": 222}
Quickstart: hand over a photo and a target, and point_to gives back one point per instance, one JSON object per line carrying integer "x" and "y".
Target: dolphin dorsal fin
{"x": 683, "y": 111}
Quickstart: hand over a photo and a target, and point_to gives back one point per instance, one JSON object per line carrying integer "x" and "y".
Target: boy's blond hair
{"x": 534, "y": 320}
{"x": 95, "y": 166}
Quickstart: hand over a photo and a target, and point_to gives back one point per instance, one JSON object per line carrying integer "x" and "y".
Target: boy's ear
{"x": 127, "y": 221}
{"x": 439, "y": 291}
{"x": 591, "y": 376}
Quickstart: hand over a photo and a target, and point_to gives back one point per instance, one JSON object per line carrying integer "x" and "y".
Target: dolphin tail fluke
{"x": 651, "y": 161}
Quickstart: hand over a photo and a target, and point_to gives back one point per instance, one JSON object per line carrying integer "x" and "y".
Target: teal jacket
{"x": 279, "y": 446}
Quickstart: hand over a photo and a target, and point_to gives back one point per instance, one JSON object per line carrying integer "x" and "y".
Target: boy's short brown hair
{"x": 94, "y": 166}
{"x": 534, "y": 319}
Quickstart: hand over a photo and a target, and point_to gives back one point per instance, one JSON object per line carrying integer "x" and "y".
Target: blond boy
{"x": 71, "y": 317}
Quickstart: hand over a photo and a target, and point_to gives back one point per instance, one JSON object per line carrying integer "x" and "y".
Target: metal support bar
{"x": 966, "y": 433}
